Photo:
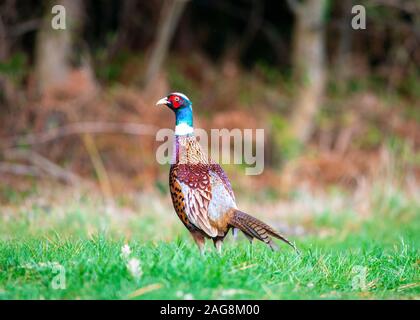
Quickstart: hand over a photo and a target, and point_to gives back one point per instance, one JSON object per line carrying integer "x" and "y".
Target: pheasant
{"x": 201, "y": 192}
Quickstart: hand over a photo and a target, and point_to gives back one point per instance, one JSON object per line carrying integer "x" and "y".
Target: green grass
{"x": 95, "y": 269}
{"x": 383, "y": 247}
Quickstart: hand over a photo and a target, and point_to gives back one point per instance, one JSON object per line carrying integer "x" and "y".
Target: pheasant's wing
{"x": 217, "y": 169}
{"x": 194, "y": 180}
{"x": 227, "y": 195}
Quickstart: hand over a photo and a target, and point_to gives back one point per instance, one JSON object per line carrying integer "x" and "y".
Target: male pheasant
{"x": 201, "y": 192}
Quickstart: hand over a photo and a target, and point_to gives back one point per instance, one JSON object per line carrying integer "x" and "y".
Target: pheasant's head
{"x": 182, "y": 107}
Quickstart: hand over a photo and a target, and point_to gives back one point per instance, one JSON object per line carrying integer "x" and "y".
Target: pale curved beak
{"x": 162, "y": 101}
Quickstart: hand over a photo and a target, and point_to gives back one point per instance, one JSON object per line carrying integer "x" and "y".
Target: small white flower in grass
{"x": 188, "y": 296}
{"x": 133, "y": 266}
{"x": 179, "y": 294}
{"x": 233, "y": 292}
{"x": 125, "y": 251}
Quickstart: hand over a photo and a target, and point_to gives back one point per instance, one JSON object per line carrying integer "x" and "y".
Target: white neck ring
{"x": 183, "y": 129}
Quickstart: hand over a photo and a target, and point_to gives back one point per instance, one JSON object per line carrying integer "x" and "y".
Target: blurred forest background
{"x": 340, "y": 107}
{"x": 79, "y": 178}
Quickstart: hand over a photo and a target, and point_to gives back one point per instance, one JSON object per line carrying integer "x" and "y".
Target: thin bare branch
{"x": 45, "y": 165}
{"x": 24, "y": 27}
{"x": 19, "y": 169}
{"x": 78, "y": 128}
{"x": 98, "y": 165}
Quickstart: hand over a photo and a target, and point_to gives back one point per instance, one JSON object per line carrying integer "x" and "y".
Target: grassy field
{"x": 42, "y": 247}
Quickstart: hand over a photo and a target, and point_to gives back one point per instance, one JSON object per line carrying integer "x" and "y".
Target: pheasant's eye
{"x": 176, "y": 99}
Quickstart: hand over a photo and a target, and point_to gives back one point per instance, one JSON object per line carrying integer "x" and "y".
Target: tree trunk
{"x": 54, "y": 47}
{"x": 171, "y": 12}
{"x": 4, "y": 43}
{"x": 308, "y": 64}
{"x": 342, "y": 61}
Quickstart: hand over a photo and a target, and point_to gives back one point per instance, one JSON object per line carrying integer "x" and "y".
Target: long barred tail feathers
{"x": 254, "y": 228}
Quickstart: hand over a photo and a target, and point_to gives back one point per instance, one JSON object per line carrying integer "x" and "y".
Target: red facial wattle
{"x": 175, "y": 101}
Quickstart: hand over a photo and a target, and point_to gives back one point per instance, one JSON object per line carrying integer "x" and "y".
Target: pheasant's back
{"x": 194, "y": 165}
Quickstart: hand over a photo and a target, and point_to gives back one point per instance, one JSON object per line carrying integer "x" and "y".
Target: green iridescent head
{"x": 182, "y": 107}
